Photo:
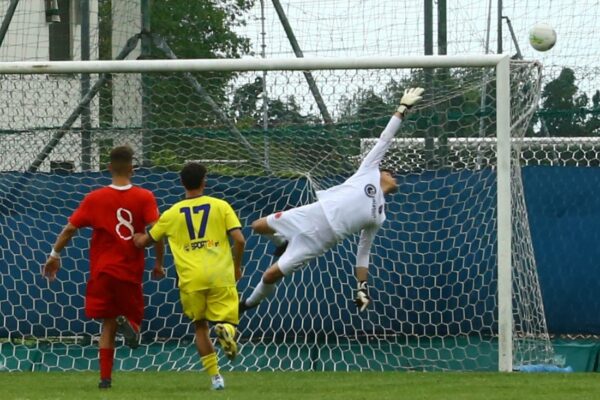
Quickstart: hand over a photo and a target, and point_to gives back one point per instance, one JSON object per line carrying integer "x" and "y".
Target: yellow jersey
{"x": 197, "y": 229}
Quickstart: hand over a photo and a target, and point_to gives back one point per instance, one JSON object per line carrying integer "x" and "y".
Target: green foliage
{"x": 291, "y": 148}
{"x": 457, "y": 107}
{"x": 194, "y": 29}
{"x": 364, "y": 105}
{"x": 168, "y": 158}
{"x": 201, "y": 29}
{"x": 593, "y": 123}
{"x": 561, "y": 96}
{"x": 104, "y": 148}
{"x": 248, "y": 105}
{"x": 566, "y": 111}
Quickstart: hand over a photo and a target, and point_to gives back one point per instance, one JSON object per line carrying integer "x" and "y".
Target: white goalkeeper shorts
{"x": 308, "y": 234}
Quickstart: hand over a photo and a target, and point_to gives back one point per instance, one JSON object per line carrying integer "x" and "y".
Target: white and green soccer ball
{"x": 542, "y": 37}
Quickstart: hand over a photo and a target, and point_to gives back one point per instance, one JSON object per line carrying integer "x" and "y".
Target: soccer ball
{"x": 542, "y": 37}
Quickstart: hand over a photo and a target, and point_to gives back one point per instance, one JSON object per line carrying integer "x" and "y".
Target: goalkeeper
{"x": 357, "y": 205}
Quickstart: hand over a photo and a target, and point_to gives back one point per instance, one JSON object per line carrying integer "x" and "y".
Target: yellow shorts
{"x": 214, "y": 305}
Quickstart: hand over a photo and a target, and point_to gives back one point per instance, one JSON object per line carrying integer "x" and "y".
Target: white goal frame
{"x": 501, "y": 63}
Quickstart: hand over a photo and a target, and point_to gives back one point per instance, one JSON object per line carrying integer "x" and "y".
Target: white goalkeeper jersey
{"x": 358, "y": 204}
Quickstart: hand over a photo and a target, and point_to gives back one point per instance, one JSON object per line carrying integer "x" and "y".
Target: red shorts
{"x": 109, "y": 297}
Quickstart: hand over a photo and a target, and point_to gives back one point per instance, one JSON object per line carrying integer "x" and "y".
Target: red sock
{"x": 106, "y": 362}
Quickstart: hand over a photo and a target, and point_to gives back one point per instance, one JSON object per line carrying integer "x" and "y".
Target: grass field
{"x": 302, "y": 385}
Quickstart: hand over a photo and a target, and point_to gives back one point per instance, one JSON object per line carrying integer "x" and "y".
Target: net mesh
{"x": 331, "y": 28}
{"x": 433, "y": 273}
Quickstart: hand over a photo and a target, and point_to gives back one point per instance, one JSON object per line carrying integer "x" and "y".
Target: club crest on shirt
{"x": 370, "y": 190}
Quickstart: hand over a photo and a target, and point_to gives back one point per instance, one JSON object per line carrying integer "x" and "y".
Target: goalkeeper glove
{"x": 362, "y": 299}
{"x": 411, "y": 97}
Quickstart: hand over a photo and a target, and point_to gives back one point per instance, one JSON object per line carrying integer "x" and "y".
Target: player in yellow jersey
{"x": 198, "y": 229}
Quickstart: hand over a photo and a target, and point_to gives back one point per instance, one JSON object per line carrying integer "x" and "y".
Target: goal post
{"x": 436, "y": 307}
{"x": 505, "y": 313}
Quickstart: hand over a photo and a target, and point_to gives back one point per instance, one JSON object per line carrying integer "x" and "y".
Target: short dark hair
{"x": 121, "y": 159}
{"x": 192, "y": 175}
{"x": 389, "y": 170}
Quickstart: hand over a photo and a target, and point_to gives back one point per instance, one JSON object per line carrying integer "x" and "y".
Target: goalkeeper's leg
{"x": 309, "y": 236}
{"x": 273, "y": 274}
{"x": 264, "y": 289}
{"x": 262, "y": 227}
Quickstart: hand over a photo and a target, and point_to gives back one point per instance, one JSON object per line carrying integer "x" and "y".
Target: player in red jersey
{"x": 114, "y": 289}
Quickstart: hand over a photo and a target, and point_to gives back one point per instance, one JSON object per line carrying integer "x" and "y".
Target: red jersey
{"x": 115, "y": 213}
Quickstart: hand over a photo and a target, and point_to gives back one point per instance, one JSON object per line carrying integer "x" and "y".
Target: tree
{"x": 287, "y": 112}
{"x": 592, "y": 126}
{"x": 195, "y": 29}
{"x": 201, "y": 29}
{"x": 247, "y": 106}
{"x": 364, "y": 105}
{"x": 245, "y": 103}
{"x": 454, "y": 98}
{"x": 563, "y": 109}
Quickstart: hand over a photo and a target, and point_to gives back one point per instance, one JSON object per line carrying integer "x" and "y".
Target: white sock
{"x": 260, "y": 292}
{"x": 276, "y": 238}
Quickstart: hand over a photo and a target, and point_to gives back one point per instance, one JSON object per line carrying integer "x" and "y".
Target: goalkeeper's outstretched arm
{"x": 410, "y": 98}
{"x": 362, "y": 298}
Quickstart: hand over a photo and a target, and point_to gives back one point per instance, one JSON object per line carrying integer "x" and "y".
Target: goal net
{"x": 269, "y": 140}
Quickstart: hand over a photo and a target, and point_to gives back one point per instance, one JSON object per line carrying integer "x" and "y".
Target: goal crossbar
{"x": 247, "y": 64}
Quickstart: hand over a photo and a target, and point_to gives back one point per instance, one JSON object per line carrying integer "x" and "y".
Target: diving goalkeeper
{"x": 357, "y": 205}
